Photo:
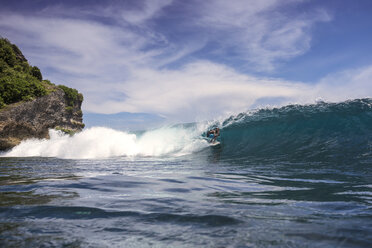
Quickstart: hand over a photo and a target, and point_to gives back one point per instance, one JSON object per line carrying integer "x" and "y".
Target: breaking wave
{"x": 101, "y": 142}
{"x": 322, "y": 131}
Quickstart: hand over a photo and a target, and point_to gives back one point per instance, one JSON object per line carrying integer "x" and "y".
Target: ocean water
{"x": 296, "y": 176}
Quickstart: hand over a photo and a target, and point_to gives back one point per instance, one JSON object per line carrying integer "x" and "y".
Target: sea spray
{"x": 101, "y": 142}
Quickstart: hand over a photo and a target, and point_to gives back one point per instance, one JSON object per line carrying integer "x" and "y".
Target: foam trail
{"x": 101, "y": 142}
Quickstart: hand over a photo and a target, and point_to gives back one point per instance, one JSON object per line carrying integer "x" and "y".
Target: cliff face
{"x": 32, "y": 119}
{"x": 29, "y": 105}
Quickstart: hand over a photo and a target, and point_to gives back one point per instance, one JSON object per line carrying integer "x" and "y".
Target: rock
{"x": 33, "y": 119}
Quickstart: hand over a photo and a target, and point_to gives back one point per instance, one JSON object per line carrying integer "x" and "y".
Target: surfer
{"x": 213, "y": 134}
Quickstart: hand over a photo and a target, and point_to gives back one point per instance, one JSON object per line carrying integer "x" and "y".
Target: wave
{"x": 317, "y": 132}
{"x": 101, "y": 142}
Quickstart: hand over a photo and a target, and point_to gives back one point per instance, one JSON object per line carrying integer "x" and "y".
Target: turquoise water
{"x": 297, "y": 176}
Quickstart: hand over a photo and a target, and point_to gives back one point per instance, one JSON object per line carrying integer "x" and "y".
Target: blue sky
{"x": 143, "y": 62}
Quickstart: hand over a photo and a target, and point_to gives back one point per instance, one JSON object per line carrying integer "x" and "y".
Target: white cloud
{"x": 85, "y": 54}
{"x": 199, "y": 90}
{"x": 150, "y": 8}
{"x": 257, "y": 32}
{"x": 348, "y": 84}
{"x": 204, "y": 90}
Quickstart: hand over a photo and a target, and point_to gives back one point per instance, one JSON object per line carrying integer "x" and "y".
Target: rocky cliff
{"x": 29, "y": 105}
{"x": 33, "y": 119}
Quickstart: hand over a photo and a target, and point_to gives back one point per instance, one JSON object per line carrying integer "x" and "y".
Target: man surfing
{"x": 213, "y": 134}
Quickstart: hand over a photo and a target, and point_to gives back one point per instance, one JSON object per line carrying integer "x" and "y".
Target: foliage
{"x": 71, "y": 95}
{"x": 36, "y": 73}
{"x": 65, "y": 130}
{"x": 2, "y": 104}
{"x": 6, "y": 52}
{"x": 3, "y": 66}
{"x": 46, "y": 81}
{"x": 69, "y": 109}
{"x": 18, "y": 80}
{"x": 15, "y": 87}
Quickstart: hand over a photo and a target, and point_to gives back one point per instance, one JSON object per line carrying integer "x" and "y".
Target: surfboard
{"x": 215, "y": 143}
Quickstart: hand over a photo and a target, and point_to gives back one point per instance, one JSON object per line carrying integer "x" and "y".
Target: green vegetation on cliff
{"x": 20, "y": 81}
{"x": 71, "y": 95}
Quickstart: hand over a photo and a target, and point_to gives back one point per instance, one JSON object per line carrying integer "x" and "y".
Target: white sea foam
{"x": 101, "y": 142}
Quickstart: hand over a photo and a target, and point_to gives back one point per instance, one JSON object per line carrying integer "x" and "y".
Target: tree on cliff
{"x": 18, "y": 80}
